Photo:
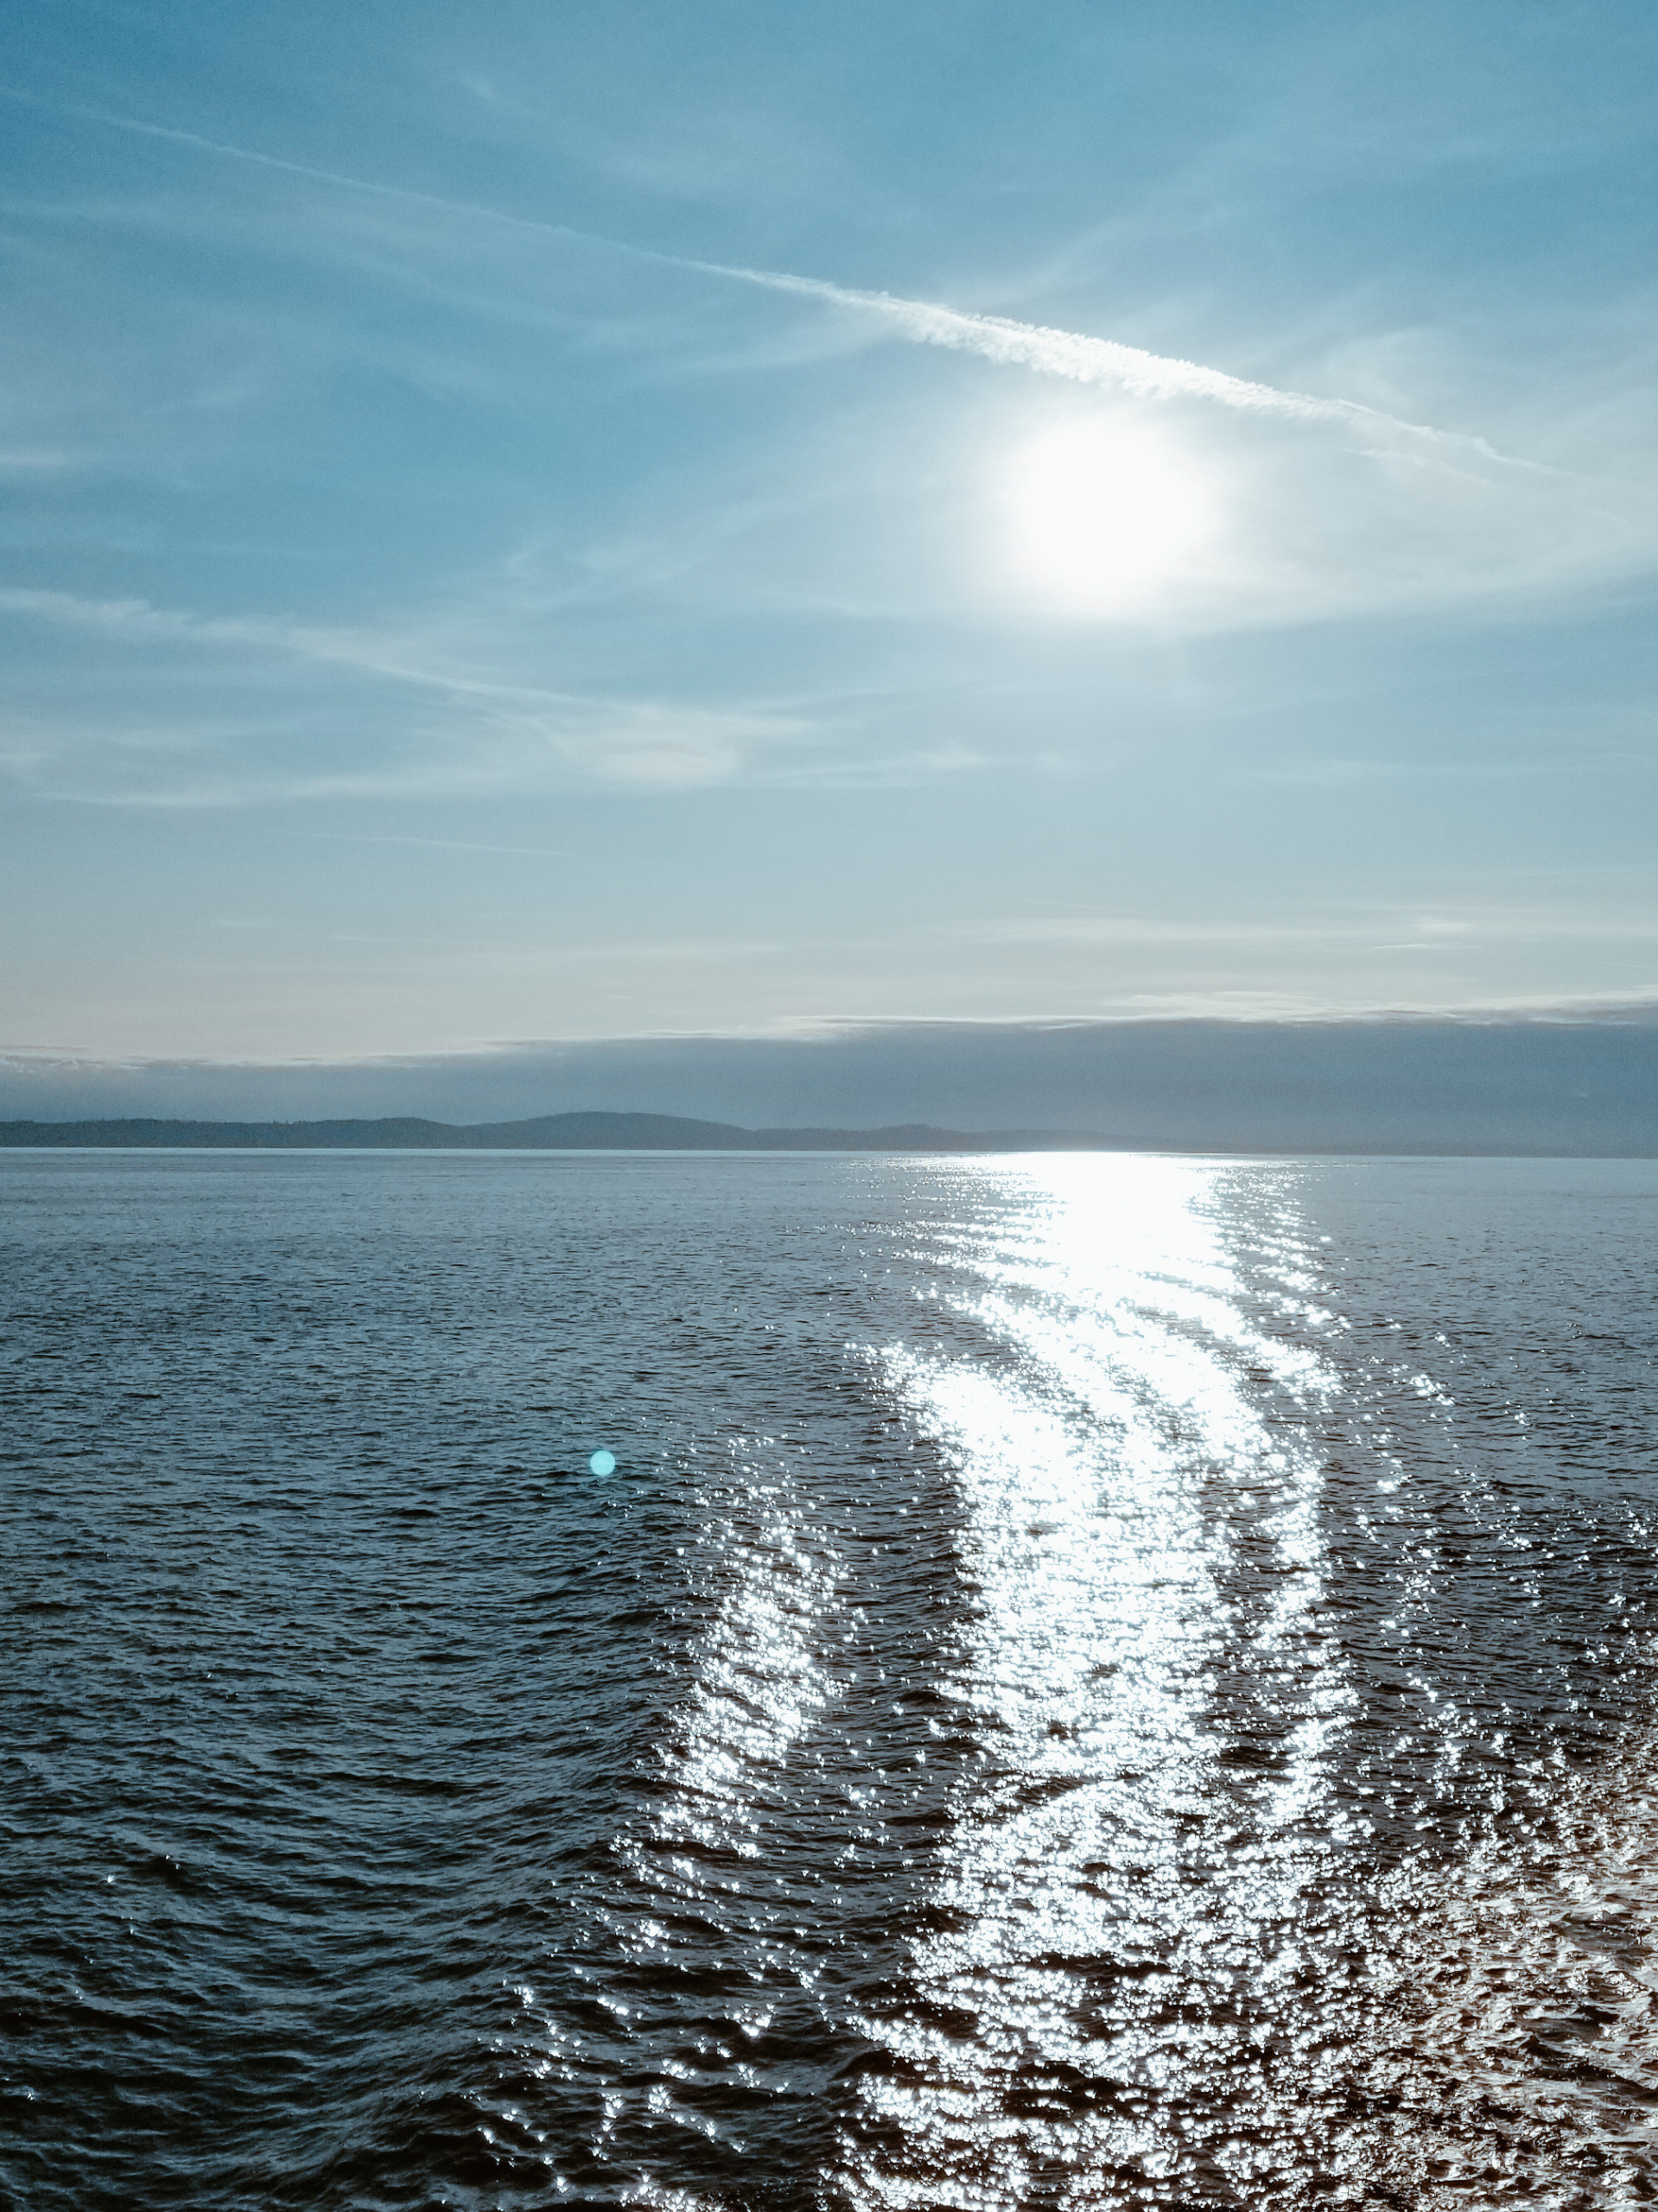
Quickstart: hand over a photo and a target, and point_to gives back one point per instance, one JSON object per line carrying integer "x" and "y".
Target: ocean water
{"x": 1096, "y": 1680}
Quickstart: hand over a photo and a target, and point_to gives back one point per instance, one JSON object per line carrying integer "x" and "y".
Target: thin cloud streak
{"x": 1070, "y": 355}
{"x": 448, "y": 844}
{"x": 169, "y": 134}
{"x": 509, "y": 735}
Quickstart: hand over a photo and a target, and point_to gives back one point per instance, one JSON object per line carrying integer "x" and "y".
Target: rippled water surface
{"x": 1095, "y": 1681}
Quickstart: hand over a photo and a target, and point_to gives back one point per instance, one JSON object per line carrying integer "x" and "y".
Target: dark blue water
{"x": 1095, "y": 1681}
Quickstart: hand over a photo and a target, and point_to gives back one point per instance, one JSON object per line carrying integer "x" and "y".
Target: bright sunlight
{"x": 1108, "y": 510}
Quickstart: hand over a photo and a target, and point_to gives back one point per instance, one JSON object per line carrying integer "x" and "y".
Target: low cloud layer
{"x": 1571, "y": 1084}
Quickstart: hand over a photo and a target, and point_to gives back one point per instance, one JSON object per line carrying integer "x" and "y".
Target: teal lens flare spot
{"x": 603, "y": 1463}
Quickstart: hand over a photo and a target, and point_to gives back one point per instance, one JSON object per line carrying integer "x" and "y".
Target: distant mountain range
{"x": 546, "y": 1133}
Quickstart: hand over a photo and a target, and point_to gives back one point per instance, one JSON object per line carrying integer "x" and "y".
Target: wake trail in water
{"x": 1095, "y": 1896}
{"x": 1093, "y": 1680}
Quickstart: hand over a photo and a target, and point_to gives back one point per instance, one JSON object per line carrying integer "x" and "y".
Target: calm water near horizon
{"x": 1097, "y": 1680}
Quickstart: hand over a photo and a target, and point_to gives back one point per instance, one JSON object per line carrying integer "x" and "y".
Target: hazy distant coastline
{"x": 544, "y": 1133}
{"x": 1468, "y": 1135}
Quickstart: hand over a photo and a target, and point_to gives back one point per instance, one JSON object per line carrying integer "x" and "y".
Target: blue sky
{"x": 453, "y": 592}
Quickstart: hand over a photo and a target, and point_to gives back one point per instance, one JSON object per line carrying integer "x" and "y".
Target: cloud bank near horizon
{"x": 1572, "y": 1084}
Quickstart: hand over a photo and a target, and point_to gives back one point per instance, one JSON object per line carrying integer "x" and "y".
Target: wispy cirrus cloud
{"x": 1076, "y": 356}
{"x": 482, "y": 736}
{"x": 1326, "y": 507}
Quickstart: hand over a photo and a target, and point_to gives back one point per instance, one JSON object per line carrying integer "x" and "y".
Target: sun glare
{"x": 1106, "y": 511}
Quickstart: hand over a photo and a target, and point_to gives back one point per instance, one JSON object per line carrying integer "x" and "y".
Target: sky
{"x": 528, "y": 523}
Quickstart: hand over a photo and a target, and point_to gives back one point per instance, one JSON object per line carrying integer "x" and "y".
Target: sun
{"x": 1107, "y": 511}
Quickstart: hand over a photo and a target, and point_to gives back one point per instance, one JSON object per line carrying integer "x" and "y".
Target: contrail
{"x": 1083, "y": 359}
{"x": 1068, "y": 353}
{"x": 1056, "y": 352}
{"x": 403, "y": 192}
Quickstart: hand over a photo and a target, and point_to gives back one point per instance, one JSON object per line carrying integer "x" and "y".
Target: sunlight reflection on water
{"x": 1140, "y": 1958}
{"x": 1100, "y": 1680}
{"x": 1089, "y": 1458}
